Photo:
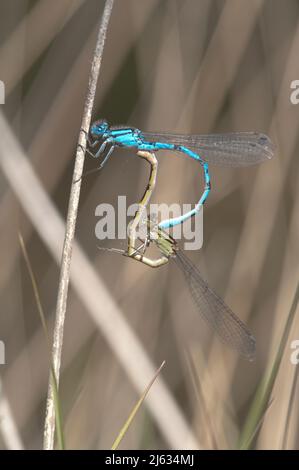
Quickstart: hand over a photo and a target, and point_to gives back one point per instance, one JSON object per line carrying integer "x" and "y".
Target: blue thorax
{"x": 120, "y": 136}
{"x": 131, "y": 137}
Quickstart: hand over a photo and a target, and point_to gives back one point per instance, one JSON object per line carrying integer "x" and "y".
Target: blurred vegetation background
{"x": 194, "y": 66}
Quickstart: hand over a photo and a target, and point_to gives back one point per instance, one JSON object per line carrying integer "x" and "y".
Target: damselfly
{"x": 211, "y": 307}
{"x": 236, "y": 149}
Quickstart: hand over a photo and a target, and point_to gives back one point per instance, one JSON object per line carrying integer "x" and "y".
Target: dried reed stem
{"x": 49, "y": 429}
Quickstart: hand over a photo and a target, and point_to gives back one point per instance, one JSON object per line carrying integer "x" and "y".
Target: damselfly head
{"x": 99, "y": 128}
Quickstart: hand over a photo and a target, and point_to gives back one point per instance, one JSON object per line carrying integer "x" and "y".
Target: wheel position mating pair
{"x": 234, "y": 149}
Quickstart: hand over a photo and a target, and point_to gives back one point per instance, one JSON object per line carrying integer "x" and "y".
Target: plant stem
{"x": 49, "y": 429}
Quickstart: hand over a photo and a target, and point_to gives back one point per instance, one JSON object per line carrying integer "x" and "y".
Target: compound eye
{"x": 99, "y": 127}
{"x": 102, "y": 125}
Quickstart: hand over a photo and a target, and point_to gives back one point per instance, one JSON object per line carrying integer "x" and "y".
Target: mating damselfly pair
{"x": 236, "y": 150}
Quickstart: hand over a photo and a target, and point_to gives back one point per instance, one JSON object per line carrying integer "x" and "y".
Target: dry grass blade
{"x": 207, "y": 418}
{"x": 263, "y": 394}
{"x": 290, "y": 409}
{"x": 258, "y": 426}
{"x": 71, "y": 223}
{"x": 58, "y": 416}
{"x": 44, "y": 31}
{"x": 134, "y": 411}
{"x": 8, "y": 428}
